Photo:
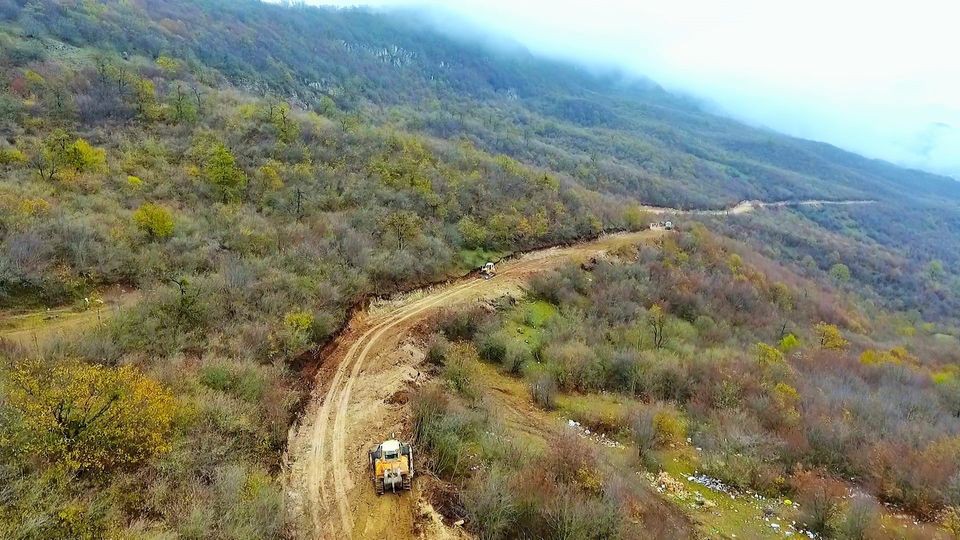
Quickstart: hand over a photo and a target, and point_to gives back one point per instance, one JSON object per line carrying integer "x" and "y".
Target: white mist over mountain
{"x": 878, "y": 78}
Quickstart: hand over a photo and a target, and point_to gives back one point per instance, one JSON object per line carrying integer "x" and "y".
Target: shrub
{"x": 89, "y": 417}
{"x": 463, "y": 324}
{"x": 437, "y": 350}
{"x": 83, "y": 157}
{"x": 443, "y": 431}
{"x": 155, "y": 220}
{"x": 543, "y": 389}
{"x": 657, "y": 425}
{"x": 767, "y": 355}
{"x": 456, "y": 369}
{"x": 819, "y": 500}
{"x": 789, "y": 343}
{"x": 574, "y": 516}
{"x": 490, "y": 505}
{"x": 859, "y": 520}
{"x": 670, "y": 426}
{"x": 12, "y": 156}
{"x": 569, "y": 457}
{"x": 830, "y": 337}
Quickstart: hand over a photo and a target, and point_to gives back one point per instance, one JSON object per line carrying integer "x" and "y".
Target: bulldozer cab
{"x": 391, "y": 464}
{"x": 488, "y": 270}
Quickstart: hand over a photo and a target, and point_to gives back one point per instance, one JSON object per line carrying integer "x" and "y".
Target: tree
{"x": 282, "y": 119}
{"x": 183, "y": 109}
{"x": 222, "y": 171}
{"x": 935, "y": 270}
{"x": 840, "y": 273}
{"x": 767, "y": 355}
{"x": 84, "y": 157}
{"x": 830, "y": 337}
{"x": 404, "y": 224}
{"x": 474, "y": 234}
{"x": 155, "y": 220}
{"x": 145, "y": 96}
{"x": 788, "y": 343}
{"x": 51, "y": 155}
{"x": 89, "y": 417}
{"x": 735, "y": 264}
{"x": 657, "y": 321}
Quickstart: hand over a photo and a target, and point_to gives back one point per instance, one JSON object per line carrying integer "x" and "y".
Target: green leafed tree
{"x": 473, "y": 233}
{"x": 840, "y": 273}
{"x": 88, "y": 417}
{"x": 403, "y": 225}
{"x": 155, "y": 220}
{"x": 222, "y": 171}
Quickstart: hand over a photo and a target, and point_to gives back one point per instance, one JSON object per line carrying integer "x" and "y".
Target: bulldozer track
{"x": 319, "y": 448}
{"x": 327, "y": 449}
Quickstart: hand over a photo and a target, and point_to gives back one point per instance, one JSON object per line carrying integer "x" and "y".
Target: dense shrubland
{"x": 251, "y": 226}
{"x": 778, "y": 380}
{"x": 555, "y": 486}
{"x": 255, "y": 170}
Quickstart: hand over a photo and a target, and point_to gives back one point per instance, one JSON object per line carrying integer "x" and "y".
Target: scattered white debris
{"x": 598, "y": 438}
{"x": 711, "y": 483}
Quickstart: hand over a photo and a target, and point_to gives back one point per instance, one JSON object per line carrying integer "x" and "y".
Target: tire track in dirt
{"x": 319, "y": 472}
{"x": 321, "y": 459}
{"x": 340, "y": 473}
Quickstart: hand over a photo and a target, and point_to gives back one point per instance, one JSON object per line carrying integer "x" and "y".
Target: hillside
{"x": 197, "y": 197}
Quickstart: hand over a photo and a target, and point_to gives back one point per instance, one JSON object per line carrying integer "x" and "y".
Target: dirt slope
{"x": 328, "y": 485}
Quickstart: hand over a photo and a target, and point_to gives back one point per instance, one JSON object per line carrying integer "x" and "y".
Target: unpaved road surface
{"x": 358, "y": 396}
{"x": 745, "y": 207}
{"x": 329, "y": 487}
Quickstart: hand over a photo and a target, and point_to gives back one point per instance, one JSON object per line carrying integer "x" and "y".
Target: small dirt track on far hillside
{"x": 329, "y": 491}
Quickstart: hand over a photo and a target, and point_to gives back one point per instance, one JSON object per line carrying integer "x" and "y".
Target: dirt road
{"x": 745, "y": 207}
{"x": 358, "y": 399}
{"x": 327, "y": 481}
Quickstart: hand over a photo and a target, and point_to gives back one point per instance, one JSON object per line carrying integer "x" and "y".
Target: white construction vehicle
{"x": 487, "y": 271}
{"x": 392, "y": 466}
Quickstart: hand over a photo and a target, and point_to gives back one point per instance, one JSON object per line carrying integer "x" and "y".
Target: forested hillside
{"x": 241, "y": 174}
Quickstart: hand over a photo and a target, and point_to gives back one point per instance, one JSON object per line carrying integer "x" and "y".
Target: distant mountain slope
{"x": 628, "y": 138}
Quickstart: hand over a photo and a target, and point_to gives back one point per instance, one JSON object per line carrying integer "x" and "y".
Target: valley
{"x": 242, "y": 242}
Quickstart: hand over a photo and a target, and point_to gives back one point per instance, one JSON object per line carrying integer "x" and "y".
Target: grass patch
{"x": 536, "y": 314}
{"x": 741, "y": 515}
{"x": 604, "y": 413}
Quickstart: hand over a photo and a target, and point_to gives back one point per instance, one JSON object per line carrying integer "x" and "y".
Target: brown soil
{"x": 356, "y": 404}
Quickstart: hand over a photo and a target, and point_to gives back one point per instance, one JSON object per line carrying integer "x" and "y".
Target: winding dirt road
{"x": 350, "y": 410}
{"x": 358, "y": 397}
{"x": 745, "y": 207}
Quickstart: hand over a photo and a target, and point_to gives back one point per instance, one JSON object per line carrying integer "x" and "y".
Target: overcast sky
{"x": 879, "y": 78}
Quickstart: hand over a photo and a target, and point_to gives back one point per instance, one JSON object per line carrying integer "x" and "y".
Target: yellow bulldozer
{"x": 392, "y": 466}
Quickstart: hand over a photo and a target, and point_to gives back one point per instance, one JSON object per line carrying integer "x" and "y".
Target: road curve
{"x": 326, "y": 455}
{"x": 328, "y": 491}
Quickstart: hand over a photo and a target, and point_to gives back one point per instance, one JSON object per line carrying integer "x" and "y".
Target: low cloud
{"x": 880, "y": 79}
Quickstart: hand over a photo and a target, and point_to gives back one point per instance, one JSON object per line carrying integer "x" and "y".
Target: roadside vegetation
{"x": 249, "y": 227}
{"x": 761, "y": 379}
{"x": 248, "y": 172}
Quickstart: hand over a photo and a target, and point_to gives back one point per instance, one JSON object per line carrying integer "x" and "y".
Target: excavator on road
{"x": 391, "y": 463}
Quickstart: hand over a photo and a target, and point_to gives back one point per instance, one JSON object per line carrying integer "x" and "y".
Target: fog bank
{"x": 880, "y": 79}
